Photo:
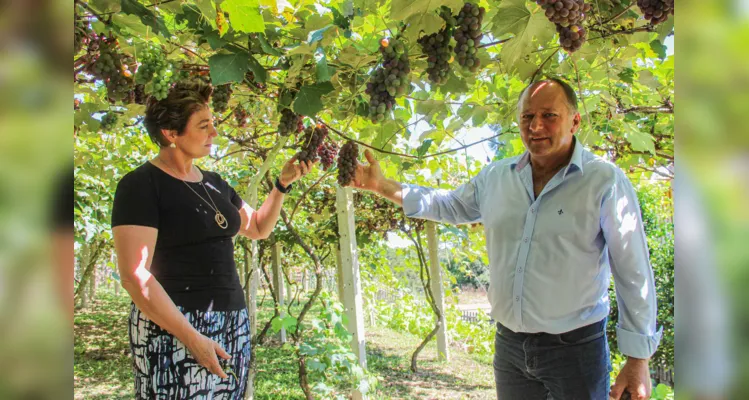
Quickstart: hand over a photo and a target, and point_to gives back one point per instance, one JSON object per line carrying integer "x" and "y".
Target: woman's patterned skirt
{"x": 164, "y": 369}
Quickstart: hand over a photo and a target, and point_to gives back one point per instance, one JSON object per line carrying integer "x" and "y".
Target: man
{"x": 558, "y": 221}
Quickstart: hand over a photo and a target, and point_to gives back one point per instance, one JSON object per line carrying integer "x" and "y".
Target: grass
{"x": 103, "y": 367}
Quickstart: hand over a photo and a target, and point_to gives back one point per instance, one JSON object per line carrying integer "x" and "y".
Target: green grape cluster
{"x": 468, "y": 36}
{"x": 656, "y": 11}
{"x": 290, "y": 123}
{"x": 155, "y": 72}
{"x": 389, "y": 80}
{"x": 111, "y": 66}
{"x": 572, "y": 38}
{"x": 313, "y": 138}
{"x": 241, "y": 115}
{"x": 347, "y": 160}
{"x": 327, "y": 152}
{"x": 221, "y": 96}
{"x": 565, "y": 12}
{"x": 438, "y": 50}
{"x": 108, "y": 121}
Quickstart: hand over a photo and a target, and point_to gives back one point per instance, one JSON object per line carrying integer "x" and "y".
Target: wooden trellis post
{"x": 435, "y": 271}
{"x": 352, "y": 296}
{"x": 278, "y": 282}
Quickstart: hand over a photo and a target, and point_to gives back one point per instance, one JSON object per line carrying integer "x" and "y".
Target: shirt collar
{"x": 576, "y": 160}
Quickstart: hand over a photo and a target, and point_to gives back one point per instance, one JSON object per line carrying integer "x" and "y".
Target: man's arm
{"x": 456, "y": 207}
{"x": 637, "y": 335}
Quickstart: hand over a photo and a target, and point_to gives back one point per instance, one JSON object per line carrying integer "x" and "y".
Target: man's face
{"x": 546, "y": 121}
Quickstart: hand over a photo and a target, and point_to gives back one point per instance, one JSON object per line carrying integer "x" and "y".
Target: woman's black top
{"x": 194, "y": 258}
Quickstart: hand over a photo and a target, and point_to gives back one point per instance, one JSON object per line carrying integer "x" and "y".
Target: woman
{"x": 173, "y": 226}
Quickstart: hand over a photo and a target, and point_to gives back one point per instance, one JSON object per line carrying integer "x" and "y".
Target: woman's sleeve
{"x": 234, "y": 197}
{"x": 135, "y": 202}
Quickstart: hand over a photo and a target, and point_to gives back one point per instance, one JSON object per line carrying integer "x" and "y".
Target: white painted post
{"x": 339, "y": 273}
{"x": 252, "y": 295}
{"x": 278, "y": 282}
{"x": 305, "y": 281}
{"x": 352, "y": 297}
{"x": 435, "y": 271}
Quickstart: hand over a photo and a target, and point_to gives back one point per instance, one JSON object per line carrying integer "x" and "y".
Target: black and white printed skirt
{"x": 164, "y": 369}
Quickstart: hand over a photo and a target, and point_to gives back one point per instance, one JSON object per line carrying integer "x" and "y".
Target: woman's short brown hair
{"x": 173, "y": 112}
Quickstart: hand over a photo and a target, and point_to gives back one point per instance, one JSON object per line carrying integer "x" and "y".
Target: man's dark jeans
{"x": 538, "y": 366}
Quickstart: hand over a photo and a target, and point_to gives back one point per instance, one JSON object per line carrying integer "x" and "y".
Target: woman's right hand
{"x": 204, "y": 350}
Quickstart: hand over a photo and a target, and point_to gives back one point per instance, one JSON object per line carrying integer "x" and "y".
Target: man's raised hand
{"x": 368, "y": 176}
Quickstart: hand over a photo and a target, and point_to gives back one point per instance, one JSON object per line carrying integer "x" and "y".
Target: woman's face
{"x": 197, "y": 139}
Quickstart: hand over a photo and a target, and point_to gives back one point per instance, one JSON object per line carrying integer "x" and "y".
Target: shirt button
{"x": 525, "y": 240}
{"x": 517, "y": 298}
{"x": 520, "y": 269}
{"x": 533, "y": 210}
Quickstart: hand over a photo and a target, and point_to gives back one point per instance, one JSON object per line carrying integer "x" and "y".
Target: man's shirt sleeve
{"x": 621, "y": 223}
{"x": 459, "y": 206}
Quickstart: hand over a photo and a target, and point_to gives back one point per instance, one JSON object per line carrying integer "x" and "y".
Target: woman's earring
{"x": 173, "y": 146}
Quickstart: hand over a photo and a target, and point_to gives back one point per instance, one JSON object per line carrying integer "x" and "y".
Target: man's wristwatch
{"x": 282, "y": 189}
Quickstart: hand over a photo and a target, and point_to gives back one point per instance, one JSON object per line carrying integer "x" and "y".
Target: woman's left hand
{"x": 294, "y": 170}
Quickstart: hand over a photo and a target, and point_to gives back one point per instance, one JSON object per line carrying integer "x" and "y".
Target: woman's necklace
{"x": 220, "y": 219}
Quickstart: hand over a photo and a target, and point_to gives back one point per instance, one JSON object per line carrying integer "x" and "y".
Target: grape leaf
{"x": 530, "y": 25}
{"x": 308, "y": 101}
{"x": 244, "y": 15}
{"x": 322, "y": 71}
{"x": 400, "y": 10}
{"x": 640, "y": 141}
{"x": 229, "y": 67}
{"x": 424, "y": 147}
{"x": 146, "y": 16}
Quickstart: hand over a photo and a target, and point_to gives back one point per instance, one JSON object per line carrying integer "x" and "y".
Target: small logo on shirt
{"x": 212, "y": 187}
{"x": 560, "y": 212}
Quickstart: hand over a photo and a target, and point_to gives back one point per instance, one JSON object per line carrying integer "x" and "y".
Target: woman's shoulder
{"x": 142, "y": 174}
{"x": 212, "y": 176}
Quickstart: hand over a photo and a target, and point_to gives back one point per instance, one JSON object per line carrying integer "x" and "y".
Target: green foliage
{"x": 657, "y": 214}
{"x": 317, "y": 62}
{"x": 328, "y": 352}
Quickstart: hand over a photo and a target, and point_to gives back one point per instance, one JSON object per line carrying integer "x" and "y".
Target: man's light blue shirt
{"x": 551, "y": 256}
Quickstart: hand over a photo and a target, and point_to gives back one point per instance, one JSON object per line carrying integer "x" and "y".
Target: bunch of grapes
{"x": 313, "y": 138}
{"x": 565, "y": 12}
{"x": 388, "y": 80}
{"x": 347, "y": 159}
{"x": 437, "y": 48}
{"x": 327, "y": 152}
{"x": 468, "y": 36}
{"x": 568, "y": 16}
{"x": 221, "y": 96}
{"x": 111, "y": 66}
{"x": 656, "y": 11}
{"x": 241, "y": 115}
{"x": 290, "y": 122}
{"x": 572, "y": 38}
{"x": 139, "y": 94}
{"x": 108, "y": 121}
{"x": 155, "y": 72}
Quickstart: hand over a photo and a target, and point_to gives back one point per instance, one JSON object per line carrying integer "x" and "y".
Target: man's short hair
{"x": 569, "y": 92}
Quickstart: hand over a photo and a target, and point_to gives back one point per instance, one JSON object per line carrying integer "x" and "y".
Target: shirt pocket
{"x": 573, "y": 220}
